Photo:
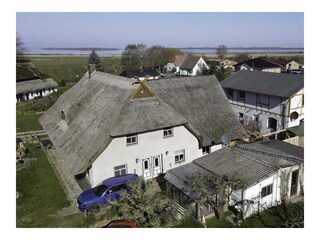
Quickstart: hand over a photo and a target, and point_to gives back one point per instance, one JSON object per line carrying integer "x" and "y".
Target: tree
{"x": 133, "y": 56}
{"x": 241, "y": 57}
{"x": 95, "y": 59}
{"x": 144, "y": 206}
{"x": 20, "y": 45}
{"x": 215, "y": 190}
{"x": 222, "y": 73}
{"x": 222, "y": 51}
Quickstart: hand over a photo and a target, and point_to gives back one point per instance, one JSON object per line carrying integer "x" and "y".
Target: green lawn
{"x": 67, "y": 67}
{"x": 26, "y": 123}
{"x": 41, "y": 196}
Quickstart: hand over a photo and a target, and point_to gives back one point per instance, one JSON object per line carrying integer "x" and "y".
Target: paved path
{"x": 67, "y": 181}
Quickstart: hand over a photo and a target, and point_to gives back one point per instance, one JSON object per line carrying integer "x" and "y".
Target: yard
{"x": 41, "y": 196}
{"x": 28, "y": 122}
{"x": 71, "y": 67}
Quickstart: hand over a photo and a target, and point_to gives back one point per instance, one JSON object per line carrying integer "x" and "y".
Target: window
{"x": 241, "y": 117}
{"x": 242, "y": 95}
{"x": 120, "y": 170}
{"x": 206, "y": 150}
{"x": 132, "y": 139}
{"x": 230, "y": 93}
{"x": 265, "y": 191}
{"x": 63, "y": 115}
{"x": 272, "y": 123}
{"x": 179, "y": 156}
{"x": 167, "y": 132}
{"x": 255, "y": 118}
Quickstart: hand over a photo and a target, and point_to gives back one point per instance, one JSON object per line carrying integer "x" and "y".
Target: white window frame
{"x": 120, "y": 169}
{"x": 206, "y": 150}
{"x": 179, "y": 156}
{"x": 129, "y": 139}
{"x": 166, "y": 132}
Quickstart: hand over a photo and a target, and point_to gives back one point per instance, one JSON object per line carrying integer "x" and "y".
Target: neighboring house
{"x": 185, "y": 65}
{"x": 288, "y": 64}
{"x": 220, "y": 62}
{"x": 108, "y": 125}
{"x": 175, "y": 63}
{"x": 29, "y": 84}
{"x": 141, "y": 73}
{"x": 192, "y": 66}
{"x": 272, "y": 101}
{"x": 271, "y": 171}
{"x": 258, "y": 64}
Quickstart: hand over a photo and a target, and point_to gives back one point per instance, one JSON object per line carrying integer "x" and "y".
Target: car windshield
{"x": 99, "y": 190}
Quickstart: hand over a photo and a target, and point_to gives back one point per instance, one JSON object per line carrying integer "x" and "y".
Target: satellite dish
{"x": 226, "y": 139}
{"x": 294, "y": 115}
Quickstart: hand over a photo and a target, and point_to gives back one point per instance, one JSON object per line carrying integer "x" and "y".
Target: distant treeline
{"x": 244, "y": 48}
{"x": 83, "y": 49}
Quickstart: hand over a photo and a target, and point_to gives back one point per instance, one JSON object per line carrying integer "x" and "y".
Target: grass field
{"x": 28, "y": 122}
{"x": 41, "y": 196}
{"x": 68, "y": 67}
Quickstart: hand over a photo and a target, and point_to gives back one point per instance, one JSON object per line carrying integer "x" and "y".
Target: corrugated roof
{"x": 286, "y": 148}
{"x": 274, "y": 84}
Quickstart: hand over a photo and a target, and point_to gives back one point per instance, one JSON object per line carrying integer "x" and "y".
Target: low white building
{"x": 273, "y": 101}
{"x": 258, "y": 64}
{"x": 108, "y": 125}
{"x": 29, "y": 84}
{"x": 271, "y": 172}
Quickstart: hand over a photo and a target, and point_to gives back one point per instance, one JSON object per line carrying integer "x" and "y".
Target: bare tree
{"x": 144, "y": 206}
{"x": 20, "y": 45}
{"x": 222, "y": 51}
{"x": 215, "y": 190}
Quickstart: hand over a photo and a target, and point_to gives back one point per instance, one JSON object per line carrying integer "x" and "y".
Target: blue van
{"x": 109, "y": 189}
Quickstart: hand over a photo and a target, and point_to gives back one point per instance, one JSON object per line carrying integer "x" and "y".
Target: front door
{"x": 294, "y": 182}
{"x": 151, "y": 166}
{"x": 146, "y": 168}
{"x": 156, "y": 162}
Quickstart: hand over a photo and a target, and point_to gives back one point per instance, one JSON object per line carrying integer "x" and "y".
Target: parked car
{"x": 121, "y": 224}
{"x": 109, "y": 189}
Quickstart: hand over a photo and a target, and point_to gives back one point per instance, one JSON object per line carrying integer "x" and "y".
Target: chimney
{"x": 91, "y": 69}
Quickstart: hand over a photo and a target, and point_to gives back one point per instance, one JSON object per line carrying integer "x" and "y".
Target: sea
{"x": 45, "y": 51}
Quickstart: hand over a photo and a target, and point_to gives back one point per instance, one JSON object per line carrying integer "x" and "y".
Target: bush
{"x": 63, "y": 83}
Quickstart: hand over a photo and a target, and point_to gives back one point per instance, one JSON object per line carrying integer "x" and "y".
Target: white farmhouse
{"x": 258, "y": 64}
{"x": 192, "y": 66}
{"x": 108, "y": 125}
{"x": 273, "y": 101}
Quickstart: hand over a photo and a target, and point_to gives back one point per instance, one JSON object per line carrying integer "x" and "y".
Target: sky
{"x": 176, "y": 29}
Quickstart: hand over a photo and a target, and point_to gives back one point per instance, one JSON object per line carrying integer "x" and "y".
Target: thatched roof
{"x": 84, "y": 120}
{"x": 34, "y": 85}
{"x": 203, "y": 103}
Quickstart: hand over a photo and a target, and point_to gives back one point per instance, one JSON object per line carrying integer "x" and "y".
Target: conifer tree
{"x": 95, "y": 59}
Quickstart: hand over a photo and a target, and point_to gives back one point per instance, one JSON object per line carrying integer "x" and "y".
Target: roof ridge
{"x": 285, "y": 156}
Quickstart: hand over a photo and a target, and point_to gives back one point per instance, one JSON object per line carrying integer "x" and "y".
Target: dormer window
{"x": 63, "y": 115}
{"x": 132, "y": 139}
{"x": 167, "y": 132}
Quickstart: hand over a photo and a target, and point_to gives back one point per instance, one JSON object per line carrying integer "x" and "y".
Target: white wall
{"x": 296, "y": 106}
{"x": 149, "y": 144}
{"x": 253, "y": 193}
{"x": 32, "y": 95}
{"x": 273, "y": 70}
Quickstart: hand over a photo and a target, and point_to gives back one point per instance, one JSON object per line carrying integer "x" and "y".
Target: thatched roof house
{"x": 101, "y": 107}
{"x": 30, "y": 82}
